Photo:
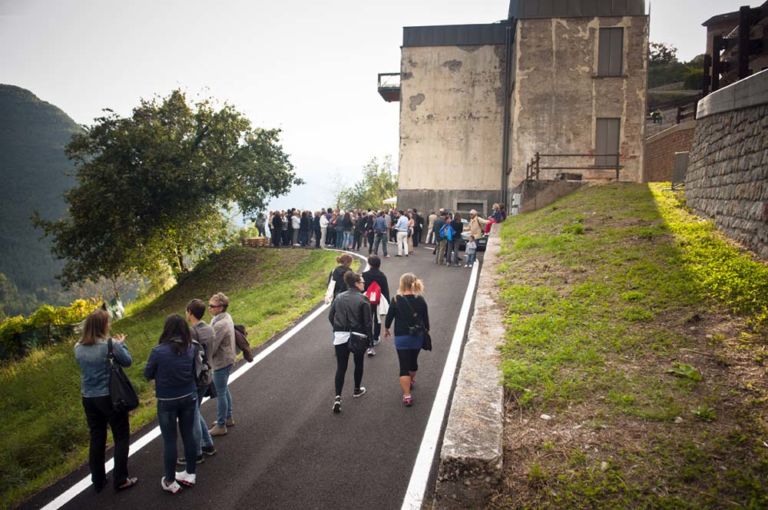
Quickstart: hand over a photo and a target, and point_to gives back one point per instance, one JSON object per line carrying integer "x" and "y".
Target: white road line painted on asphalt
{"x": 414, "y": 495}
{"x": 147, "y": 438}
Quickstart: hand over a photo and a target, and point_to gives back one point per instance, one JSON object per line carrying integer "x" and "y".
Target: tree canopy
{"x": 151, "y": 187}
{"x": 378, "y": 183}
{"x": 661, "y": 53}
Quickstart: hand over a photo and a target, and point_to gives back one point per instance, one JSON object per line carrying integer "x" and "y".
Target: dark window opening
{"x": 607, "y": 142}
{"x": 610, "y": 52}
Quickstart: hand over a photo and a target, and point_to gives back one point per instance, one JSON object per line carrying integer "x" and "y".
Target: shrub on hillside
{"x": 46, "y": 325}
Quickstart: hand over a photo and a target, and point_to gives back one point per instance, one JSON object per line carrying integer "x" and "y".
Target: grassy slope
{"x": 43, "y": 434}
{"x": 642, "y": 334}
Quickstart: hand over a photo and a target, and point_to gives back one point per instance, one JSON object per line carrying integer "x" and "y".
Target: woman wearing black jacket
{"x": 410, "y": 310}
{"x": 344, "y": 262}
{"x": 375, "y": 275}
{"x": 350, "y": 314}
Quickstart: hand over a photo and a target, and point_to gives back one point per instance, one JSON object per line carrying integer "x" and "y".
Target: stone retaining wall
{"x": 727, "y": 177}
{"x": 472, "y": 452}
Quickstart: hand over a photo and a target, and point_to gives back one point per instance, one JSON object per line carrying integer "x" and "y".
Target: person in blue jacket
{"x": 171, "y": 365}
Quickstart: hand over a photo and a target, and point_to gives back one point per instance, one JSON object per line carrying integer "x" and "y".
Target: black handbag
{"x": 357, "y": 343}
{"x": 121, "y": 391}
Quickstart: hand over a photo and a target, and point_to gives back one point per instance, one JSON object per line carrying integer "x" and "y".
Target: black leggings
{"x": 99, "y": 414}
{"x": 342, "y": 360}
{"x": 409, "y": 360}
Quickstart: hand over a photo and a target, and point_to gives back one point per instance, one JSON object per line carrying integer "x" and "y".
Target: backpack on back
{"x": 446, "y": 232}
{"x": 373, "y": 293}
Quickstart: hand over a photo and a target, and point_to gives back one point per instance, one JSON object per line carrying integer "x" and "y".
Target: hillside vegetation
{"x": 35, "y": 173}
{"x": 43, "y": 434}
{"x": 635, "y": 357}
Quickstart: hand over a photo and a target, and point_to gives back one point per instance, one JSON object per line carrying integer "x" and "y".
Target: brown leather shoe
{"x": 217, "y": 430}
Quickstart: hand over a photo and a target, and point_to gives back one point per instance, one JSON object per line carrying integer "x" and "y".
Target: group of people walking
{"x": 192, "y": 360}
{"x": 359, "y": 303}
{"x": 188, "y": 348}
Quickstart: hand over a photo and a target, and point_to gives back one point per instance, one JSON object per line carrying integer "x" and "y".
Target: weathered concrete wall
{"x": 558, "y": 95}
{"x": 433, "y": 199}
{"x": 538, "y": 194}
{"x": 659, "y": 158}
{"x": 727, "y": 177}
{"x": 451, "y": 113}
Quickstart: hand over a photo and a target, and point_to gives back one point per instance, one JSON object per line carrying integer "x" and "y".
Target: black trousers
{"x": 342, "y": 360}
{"x": 99, "y": 413}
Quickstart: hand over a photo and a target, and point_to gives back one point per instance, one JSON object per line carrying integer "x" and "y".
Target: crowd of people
{"x": 187, "y": 348}
{"x": 368, "y": 229}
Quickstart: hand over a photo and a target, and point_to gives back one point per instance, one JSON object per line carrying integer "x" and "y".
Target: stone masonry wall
{"x": 727, "y": 177}
{"x": 660, "y": 151}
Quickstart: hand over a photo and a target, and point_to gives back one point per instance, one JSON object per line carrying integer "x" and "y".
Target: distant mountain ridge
{"x": 35, "y": 173}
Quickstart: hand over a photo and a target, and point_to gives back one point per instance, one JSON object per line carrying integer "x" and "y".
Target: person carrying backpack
{"x": 376, "y": 288}
{"x": 445, "y": 235}
{"x": 202, "y": 336}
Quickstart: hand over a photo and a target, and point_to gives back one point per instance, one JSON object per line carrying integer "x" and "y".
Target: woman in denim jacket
{"x": 171, "y": 365}
{"x": 91, "y": 355}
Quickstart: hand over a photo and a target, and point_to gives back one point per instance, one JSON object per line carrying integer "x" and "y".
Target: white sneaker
{"x": 185, "y": 478}
{"x": 173, "y": 487}
{"x": 371, "y": 353}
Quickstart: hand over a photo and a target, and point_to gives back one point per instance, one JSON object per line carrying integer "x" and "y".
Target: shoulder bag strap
{"x": 416, "y": 317}
{"x": 110, "y": 354}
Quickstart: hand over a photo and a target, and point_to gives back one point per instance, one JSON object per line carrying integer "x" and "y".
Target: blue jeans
{"x": 339, "y": 239}
{"x": 169, "y": 413}
{"x": 200, "y": 429}
{"x": 347, "y": 240}
{"x": 380, "y": 238}
{"x": 223, "y": 397}
{"x": 471, "y": 257}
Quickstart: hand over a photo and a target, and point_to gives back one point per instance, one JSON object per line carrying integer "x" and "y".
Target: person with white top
{"x": 402, "y": 234}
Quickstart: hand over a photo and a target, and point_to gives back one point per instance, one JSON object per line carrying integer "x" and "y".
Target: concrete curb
{"x": 472, "y": 452}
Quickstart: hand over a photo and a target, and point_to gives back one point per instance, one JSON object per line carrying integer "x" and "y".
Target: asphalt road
{"x": 288, "y": 450}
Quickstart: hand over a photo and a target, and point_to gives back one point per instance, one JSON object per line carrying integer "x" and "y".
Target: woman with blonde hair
{"x": 411, "y": 315}
{"x": 92, "y": 353}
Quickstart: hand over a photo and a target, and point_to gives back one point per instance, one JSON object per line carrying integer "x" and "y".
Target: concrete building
{"x": 564, "y": 78}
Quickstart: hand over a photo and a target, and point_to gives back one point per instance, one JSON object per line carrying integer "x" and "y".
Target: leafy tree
{"x": 379, "y": 182}
{"x": 151, "y": 187}
{"x": 662, "y": 54}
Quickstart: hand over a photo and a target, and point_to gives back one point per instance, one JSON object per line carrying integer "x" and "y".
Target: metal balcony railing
{"x": 602, "y": 162}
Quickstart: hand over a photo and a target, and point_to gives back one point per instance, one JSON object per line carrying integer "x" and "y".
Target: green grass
{"x": 609, "y": 296}
{"x": 43, "y": 434}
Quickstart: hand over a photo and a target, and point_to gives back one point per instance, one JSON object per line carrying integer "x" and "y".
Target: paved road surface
{"x": 288, "y": 450}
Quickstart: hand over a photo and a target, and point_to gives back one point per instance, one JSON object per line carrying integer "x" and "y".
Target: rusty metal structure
{"x": 737, "y": 46}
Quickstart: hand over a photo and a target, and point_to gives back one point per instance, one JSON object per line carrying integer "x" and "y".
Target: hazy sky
{"x": 308, "y": 67}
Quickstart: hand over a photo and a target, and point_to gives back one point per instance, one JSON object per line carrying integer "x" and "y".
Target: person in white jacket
{"x": 323, "y": 229}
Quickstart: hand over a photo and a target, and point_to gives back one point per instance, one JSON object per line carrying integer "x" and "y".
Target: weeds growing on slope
{"x": 642, "y": 332}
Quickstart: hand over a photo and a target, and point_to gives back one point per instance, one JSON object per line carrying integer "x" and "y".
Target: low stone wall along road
{"x": 288, "y": 450}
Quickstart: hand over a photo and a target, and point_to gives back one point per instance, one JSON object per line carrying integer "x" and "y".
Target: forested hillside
{"x": 34, "y": 172}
